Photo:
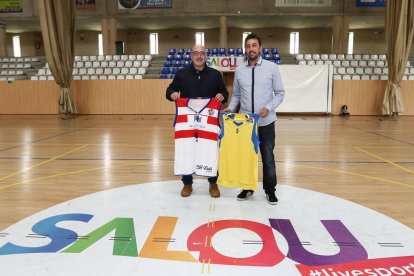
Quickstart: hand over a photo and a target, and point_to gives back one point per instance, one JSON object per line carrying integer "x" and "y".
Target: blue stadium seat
{"x": 188, "y": 52}
{"x": 265, "y": 51}
{"x": 222, "y": 52}
{"x": 231, "y": 52}
{"x": 172, "y": 51}
{"x": 172, "y": 76}
{"x": 181, "y": 51}
{"x": 187, "y": 57}
{"x": 274, "y": 51}
{"x": 166, "y": 70}
{"x": 187, "y": 63}
{"x": 239, "y": 52}
{"x": 179, "y": 57}
{"x": 163, "y": 76}
{"x": 177, "y": 63}
{"x": 278, "y": 61}
{"x": 170, "y": 57}
{"x": 167, "y": 63}
{"x": 208, "y": 51}
{"x": 214, "y": 52}
{"x": 175, "y": 70}
{"x": 275, "y": 57}
{"x": 267, "y": 56}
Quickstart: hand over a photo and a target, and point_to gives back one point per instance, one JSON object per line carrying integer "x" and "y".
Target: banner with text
{"x": 85, "y": 4}
{"x": 303, "y": 3}
{"x": 143, "y": 4}
{"x": 9, "y": 6}
{"x": 370, "y": 3}
{"x": 224, "y": 64}
{"x": 381, "y": 267}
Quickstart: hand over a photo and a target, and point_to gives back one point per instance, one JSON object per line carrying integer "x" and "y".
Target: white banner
{"x": 308, "y": 88}
{"x": 303, "y": 3}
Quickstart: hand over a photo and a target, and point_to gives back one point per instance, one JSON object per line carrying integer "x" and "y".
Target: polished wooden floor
{"x": 46, "y": 160}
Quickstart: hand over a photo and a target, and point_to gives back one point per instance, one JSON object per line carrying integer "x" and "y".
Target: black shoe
{"x": 245, "y": 194}
{"x": 271, "y": 198}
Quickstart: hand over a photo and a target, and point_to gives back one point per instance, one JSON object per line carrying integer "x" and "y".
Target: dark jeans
{"x": 267, "y": 145}
{"x": 188, "y": 179}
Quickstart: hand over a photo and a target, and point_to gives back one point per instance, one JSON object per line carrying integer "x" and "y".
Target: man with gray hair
{"x": 198, "y": 81}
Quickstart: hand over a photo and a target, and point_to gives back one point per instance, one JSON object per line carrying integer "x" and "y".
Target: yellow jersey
{"x": 239, "y": 148}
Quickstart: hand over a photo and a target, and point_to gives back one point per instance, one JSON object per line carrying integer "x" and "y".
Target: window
{"x": 153, "y": 43}
{"x": 100, "y": 45}
{"x": 16, "y": 46}
{"x": 350, "y": 43}
{"x": 245, "y": 34}
{"x": 294, "y": 43}
{"x": 199, "y": 38}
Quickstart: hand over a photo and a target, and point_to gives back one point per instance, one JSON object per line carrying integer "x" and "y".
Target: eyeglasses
{"x": 196, "y": 53}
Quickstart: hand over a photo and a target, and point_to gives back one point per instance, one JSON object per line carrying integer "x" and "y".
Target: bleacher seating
{"x": 355, "y": 66}
{"x": 103, "y": 67}
{"x": 182, "y": 58}
{"x": 19, "y": 68}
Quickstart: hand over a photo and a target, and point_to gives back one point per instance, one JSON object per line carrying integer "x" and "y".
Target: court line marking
{"x": 43, "y": 162}
{"x": 95, "y": 144}
{"x": 141, "y": 163}
{"x": 383, "y": 159}
{"x": 46, "y": 138}
{"x": 358, "y": 174}
{"x": 70, "y": 173}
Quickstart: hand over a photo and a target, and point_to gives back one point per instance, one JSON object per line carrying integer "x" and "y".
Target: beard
{"x": 253, "y": 55}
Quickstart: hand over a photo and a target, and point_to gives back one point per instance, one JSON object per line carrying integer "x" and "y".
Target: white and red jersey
{"x": 196, "y": 136}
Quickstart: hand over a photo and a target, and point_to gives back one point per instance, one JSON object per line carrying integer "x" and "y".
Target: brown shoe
{"x": 214, "y": 190}
{"x": 187, "y": 190}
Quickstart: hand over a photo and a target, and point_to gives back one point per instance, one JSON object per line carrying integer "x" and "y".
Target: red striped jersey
{"x": 196, "y": 136}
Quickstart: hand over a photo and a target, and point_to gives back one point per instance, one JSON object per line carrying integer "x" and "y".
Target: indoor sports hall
{"x": 87, "y": 148}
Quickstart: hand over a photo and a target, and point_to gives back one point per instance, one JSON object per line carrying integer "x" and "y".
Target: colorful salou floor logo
{"x": 149, "y": 229}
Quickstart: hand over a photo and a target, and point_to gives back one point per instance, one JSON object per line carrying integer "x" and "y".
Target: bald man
{"x": 198, "y": 80}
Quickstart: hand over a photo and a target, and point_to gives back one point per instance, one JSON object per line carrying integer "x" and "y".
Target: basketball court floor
{"x": 96, "y": 195}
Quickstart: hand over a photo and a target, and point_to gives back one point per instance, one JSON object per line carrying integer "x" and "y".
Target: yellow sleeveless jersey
{"x": 239, "y": 147}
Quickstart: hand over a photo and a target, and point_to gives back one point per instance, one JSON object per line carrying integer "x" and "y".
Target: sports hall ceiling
{"x": 205, "y": 22}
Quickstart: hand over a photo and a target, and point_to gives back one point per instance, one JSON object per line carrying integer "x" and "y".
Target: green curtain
{"x": 57, "y": 21}
{"x": 399, "y": 35}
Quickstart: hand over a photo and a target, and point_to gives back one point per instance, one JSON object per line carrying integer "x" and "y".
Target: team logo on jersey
{"x": 204, "y": 168}
{"x": 211, "y": 112}
{"x": 197, "y": 118}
